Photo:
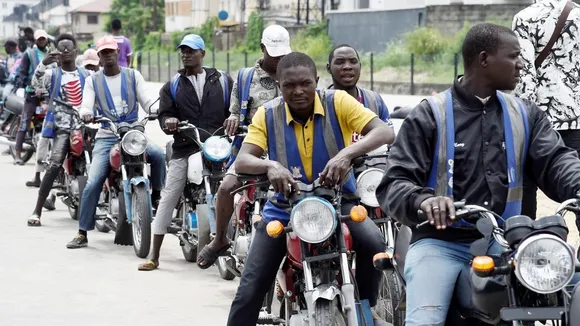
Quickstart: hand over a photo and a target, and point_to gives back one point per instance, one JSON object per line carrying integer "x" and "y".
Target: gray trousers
{"x": 42, "y": 153}
{"x": 174, "y": 185}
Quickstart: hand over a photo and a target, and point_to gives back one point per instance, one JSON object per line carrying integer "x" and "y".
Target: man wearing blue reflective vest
{"x": 471, "y": 142}
{"x": 116, "y": 91}
{"x": 307, "y": 134}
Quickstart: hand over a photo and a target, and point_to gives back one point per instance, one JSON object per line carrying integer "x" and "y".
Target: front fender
{"x": 127, "y": 191}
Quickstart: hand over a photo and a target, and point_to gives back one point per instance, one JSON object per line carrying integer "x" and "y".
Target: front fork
{"x": 128, "y": 185}
{"x": 210, "y": 200}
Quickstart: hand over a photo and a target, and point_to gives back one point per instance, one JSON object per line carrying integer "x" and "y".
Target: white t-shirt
{"x": 198, "y": 82}
{"x": 114, "y": 84}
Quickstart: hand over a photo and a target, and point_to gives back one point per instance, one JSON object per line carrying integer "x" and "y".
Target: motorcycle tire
{"x": 123, "y": 234}
{"x": 203, "y": 230}
{"x": 327, "y": 313}
{"x": 141, "y": 221}
{"x": 82, "y": 182}
{"x": 26, "y": 155}
{"x": 225, "y": 273}
{"x": 190, "y": 255}
{"x": 389, "y": 299}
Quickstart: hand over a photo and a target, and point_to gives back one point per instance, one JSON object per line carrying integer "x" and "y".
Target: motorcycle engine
{"x": 242, "y": 246}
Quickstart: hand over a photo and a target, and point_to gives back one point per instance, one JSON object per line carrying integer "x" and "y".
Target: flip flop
{"x": 148, "y": 266}
{"x": 210, "y": 255}
{"x": 34, "y": 220}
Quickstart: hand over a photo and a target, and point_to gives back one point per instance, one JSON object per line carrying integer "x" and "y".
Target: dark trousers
{"x": 30, "y": 104}
{"x": 60, "y": 149}
{"x": 266, "y": 254}
{"x": 571, "y": 139}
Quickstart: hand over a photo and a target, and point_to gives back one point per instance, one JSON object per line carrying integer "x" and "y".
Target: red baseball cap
{"x": 107, "y": 42}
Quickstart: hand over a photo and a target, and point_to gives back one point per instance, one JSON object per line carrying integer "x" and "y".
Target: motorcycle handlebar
{"x": 462, "y": 211}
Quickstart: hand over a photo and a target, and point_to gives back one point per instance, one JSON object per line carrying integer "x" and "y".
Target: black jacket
{"x": 209, "y": 116}
{"x": 479, "y": 174}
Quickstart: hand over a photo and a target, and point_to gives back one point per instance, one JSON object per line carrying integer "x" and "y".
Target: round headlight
{"x": 366, "y": 186}
{"x": 313, "y": 220}
{"x": 217, "y": 149}
{"x": 544, "y": 263}
{"x": 134, "y": 142}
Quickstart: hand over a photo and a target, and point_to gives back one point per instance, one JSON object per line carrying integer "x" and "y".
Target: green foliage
{"x": 254, "y": 32}
{"x": 206, "y": 32}
{"x": 313, "y": 41}
{"x": 425, "y": 41}
{"x": 152, "y": 40}
{"x": 456, "y": 41}
{"x": 138, "y": 18}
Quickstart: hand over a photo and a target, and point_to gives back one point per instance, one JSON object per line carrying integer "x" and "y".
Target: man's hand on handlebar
{"x": 87, "y": 117}
{"x": 171, "y": 124}
{"x": 437, "y": 209}
{"x": 335, "y": 170}
{"x": 281, "y": 179}
{"x": 231, "y": 126}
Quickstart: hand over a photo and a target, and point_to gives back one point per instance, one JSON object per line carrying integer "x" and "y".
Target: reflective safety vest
{"x": 516, "y": 137}
{"x": 129, "y": 112}
{"x": 35, "y": 57}
{"x": 48, "y": 130}
{"x": 245, "y": 76}
{"x": 283, "y": 147}
{"x": 374, "y": 102}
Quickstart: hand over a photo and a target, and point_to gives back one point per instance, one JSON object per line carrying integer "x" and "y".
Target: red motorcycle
{"x": 316, "y": 275}
{"x": 74, "y": 173}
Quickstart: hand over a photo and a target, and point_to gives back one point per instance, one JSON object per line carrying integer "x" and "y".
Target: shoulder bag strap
{"x": 557, "y": 31}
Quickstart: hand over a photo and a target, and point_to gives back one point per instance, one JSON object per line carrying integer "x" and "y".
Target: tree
{"x": 139, "y": 17}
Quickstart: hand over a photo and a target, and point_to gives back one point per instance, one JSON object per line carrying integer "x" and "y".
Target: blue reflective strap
{"x": 450, "y": 129}
{"x": 333, "y": 119}
{"x": 432, "y": 181}
{"x": 244, "y": 91}
{"x": 173, "y": 85}
{"x": 225, "y": 88}
{"x": 270, "y": 130}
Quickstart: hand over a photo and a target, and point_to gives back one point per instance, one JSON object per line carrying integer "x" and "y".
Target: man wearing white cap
{"x": 116, "y": 92}
{"x": 253, "y": 87}
{"x": 30, "y": 60}
{"x": 90, "y": 60}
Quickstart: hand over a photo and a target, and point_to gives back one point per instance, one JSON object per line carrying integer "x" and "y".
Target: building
{"x": 373, "y": 24}
{"x": 56, "y": 13}
{"x": 89, "y": 19}
{"x": 11, "y": 20}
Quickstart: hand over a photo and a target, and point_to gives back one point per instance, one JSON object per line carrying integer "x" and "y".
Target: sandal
{"x": 148, "y": 266}
{"x": 209, "y": 255}
{"x": 34, "y": 220}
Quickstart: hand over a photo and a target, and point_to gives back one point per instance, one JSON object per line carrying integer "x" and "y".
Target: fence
{"x": 394, "y": 72}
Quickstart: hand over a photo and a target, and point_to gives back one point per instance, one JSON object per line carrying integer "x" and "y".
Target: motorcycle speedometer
{"x": 544, "y": 263}
{"x": 313, "y": 220}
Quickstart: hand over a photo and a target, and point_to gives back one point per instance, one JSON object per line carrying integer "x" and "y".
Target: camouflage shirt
{"x": 262, "y": 89}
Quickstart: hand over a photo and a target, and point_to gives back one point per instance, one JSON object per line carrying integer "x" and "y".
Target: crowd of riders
{"x": 455, "y": 144}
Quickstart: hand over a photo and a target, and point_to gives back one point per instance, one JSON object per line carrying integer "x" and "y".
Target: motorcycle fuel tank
{"x": 76, "y": 143}
{"x": 115, "y": 157}
{"x": 195, "y": 168}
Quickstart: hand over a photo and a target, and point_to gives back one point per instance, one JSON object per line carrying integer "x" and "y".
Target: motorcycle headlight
{"x": 134, "y": 143}
{"x": 544, "y": 263}
{"x": 217, "y": 149}
{"x": 313, "y": 220}
{"x": 366, "y": 186}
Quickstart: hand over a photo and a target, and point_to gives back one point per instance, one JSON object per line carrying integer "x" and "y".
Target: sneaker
{"x": 79, "y": 241}
{"x": 49, "y": 203}
{"x": 33, "y": 183}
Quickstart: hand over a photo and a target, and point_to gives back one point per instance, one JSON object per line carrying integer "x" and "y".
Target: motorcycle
{"x": 528, "y": 282}
{"x": 126, "y": 197}
{"x": 74, "y": 174}
{"x": 15, "y": 104}
{"x": 247, "y": 213}
{"x": 316, "y": 276}
{"x": 195, "y": 222}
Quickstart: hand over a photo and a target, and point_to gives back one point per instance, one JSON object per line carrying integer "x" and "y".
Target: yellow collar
{"x": 318, "y": 109}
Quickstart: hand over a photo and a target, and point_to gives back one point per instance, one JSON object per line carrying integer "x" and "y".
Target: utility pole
{"x": 307, "y": 12}
{"x": 242, "y": 16}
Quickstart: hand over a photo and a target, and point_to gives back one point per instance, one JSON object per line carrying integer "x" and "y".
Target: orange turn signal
{"x": 358, "y": 213}
{"x": 483, "y": 264}
{"x": 274, "y": 228}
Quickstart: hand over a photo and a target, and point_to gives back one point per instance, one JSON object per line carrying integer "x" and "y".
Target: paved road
{"x": 43, "y": 283}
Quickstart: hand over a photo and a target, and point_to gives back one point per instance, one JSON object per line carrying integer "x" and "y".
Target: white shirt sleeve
{"x": 143, "y": 95}
{"x": 88, "y": 97}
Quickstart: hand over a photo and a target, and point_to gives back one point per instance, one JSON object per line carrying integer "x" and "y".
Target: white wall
{"x": 177, "y": 23}
{"x": 10, "y": 29}
{"x": 346, "y": 5}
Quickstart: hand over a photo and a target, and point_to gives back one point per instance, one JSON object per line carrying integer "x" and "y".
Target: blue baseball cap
{"x": 193, "y": 41}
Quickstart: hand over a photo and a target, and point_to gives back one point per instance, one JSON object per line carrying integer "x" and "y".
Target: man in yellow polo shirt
{"x": 307, "y": 134}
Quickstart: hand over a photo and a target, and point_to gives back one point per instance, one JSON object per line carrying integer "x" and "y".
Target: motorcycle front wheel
{"x": 389, "y": 300}
{"x": 189, "y": 254}
{"x": 327, "y": 313}
{"x": 141, "y": 220}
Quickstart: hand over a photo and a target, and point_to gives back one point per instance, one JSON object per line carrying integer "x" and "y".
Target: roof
{"x": 98, "y": 6}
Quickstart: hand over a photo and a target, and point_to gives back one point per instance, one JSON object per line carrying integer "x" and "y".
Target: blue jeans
{"x": 435, "y": 271}
{"x": 99, "y": 171}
